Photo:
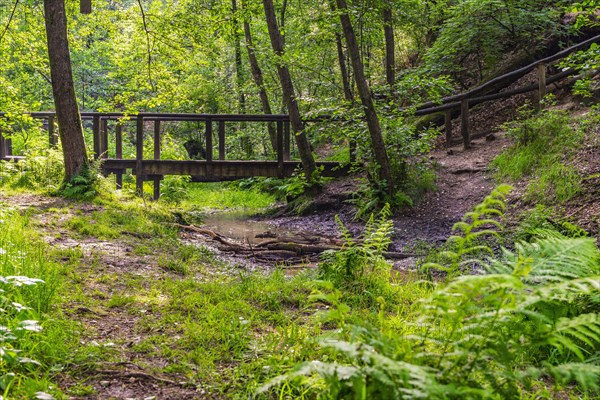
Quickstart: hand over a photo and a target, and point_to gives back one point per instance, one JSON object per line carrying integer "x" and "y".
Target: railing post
{"x": 3, "y": 149}
{"x": 52, "y": 137}
{"x": 448, "y": 127}
{"x": 209, "y": 145}
{"x": 280, "y": 156}
{"x": 541, "y": 76}
{"x": 157, "y": 157}
{"x": 104, "y": 138}
{"x": 139, "y": 155}
{"x": 464, "y": 123}
{"x": 286, "y": 141}
{"x": 221, "y": 140}
{"x": 96, "y": 136}
{"x": 119, "y": 151}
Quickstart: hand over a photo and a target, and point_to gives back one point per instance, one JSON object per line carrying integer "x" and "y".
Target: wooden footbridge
{"x": 108, "y": 129}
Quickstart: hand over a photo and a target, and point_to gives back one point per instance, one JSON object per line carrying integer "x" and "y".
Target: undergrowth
{"x": 527, "y": 324}
{"x": 544, "y": 146}
{"x": 32, "y": 339}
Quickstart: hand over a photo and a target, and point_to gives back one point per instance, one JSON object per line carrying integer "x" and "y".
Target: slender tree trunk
{"x": 390, "y": 59}
{"x": 348, "y": 95}
{"x": 63, "y": 90}
{"x": 377, "y": 142}
{"x": 257, "y": 75}
{"x": 239, "y": 73}
{"x": 308, "y": 161}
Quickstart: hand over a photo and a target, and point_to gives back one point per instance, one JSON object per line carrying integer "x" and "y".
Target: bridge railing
{"x": 153, "y": 169}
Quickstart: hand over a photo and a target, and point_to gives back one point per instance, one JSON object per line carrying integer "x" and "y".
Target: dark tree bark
{"x": 377, "y": 142}
{"x": 257, "y": 75}
{"x": 63, "y": 90}
{"x": 390, "y": 58}
{"x": 308, "y": 161}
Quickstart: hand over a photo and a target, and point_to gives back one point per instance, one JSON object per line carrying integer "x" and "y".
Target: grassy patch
{"x": 34, "y": 339}
{"x": 544, "y": 145}
{"x": 222, "y": 196}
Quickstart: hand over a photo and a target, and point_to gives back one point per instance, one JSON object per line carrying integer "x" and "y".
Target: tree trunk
{"x": 390, "y": 59}
{"x": 63, "y": 90}
{"x": 348, "y": 95}
{"x": 257, "y": 75}
{"x": 308, "y": 161}
{"x": 245, "y": 141}
{"x": 377, "y": 142}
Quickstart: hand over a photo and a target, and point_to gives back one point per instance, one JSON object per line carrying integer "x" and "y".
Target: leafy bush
{"x": 173, "y": 189}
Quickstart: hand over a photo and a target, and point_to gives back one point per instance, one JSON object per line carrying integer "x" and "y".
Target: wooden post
{"x": 541, "y": 75}
{"x": 221, "y": 140}
{"x": 209, "y": 145}
{"x": 139, "y": 155}
{"x": 286, "y": 141}
{"x": 103, "y": 138}
{"x": 448, "y": 127}
{"x": 157, "y": 157}
{"x": 352, "y": 150}
{"x": 3, "y": 150}
{"x": 208, "y": 140}
{"x": 280, "y": 156}
{"x": 119, "y": 151}
{"x": 96, "y": 136}
{"x": 464, "y": 123}
{"x": 52, "y": 137}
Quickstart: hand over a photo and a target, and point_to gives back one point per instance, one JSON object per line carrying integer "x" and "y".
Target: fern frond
{"x": 555, "y": 260}
{"x": 584, "y": 328}
{"x": 587, "y": 375}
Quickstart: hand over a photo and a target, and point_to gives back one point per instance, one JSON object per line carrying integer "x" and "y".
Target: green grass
{"x": 22, "y": 254}
{"x": 544, "y": 146}
{"x": 221, "y": 196}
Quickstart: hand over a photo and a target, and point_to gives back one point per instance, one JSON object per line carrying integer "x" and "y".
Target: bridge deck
{"x": 217, "y": 170}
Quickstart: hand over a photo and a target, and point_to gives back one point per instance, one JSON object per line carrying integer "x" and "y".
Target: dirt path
{"x": 463, "y": 181}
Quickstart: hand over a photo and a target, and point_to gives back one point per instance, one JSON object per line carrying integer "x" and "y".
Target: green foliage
{"x": 41, "y": 172}
{"x": 490, "y": 335}
{"x": 174, "y": 189}
{"x": 477, "y": 34}
{"x": 544, "y": 145}
{"x": 88, "y": 185}
{"x": 26, "y": 331}
{"x": 360, "y": 266}
{"x": 483, "y": 222}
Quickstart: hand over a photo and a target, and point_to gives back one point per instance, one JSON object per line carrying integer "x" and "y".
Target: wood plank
{"x": 96, "y": 136}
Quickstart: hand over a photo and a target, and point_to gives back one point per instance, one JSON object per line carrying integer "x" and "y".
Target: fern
{"x": 483, "y": 221}
{"x": 533, "y": 313}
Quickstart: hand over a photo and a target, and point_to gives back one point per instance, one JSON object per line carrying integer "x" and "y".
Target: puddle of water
{"x": 237, "y": 226}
